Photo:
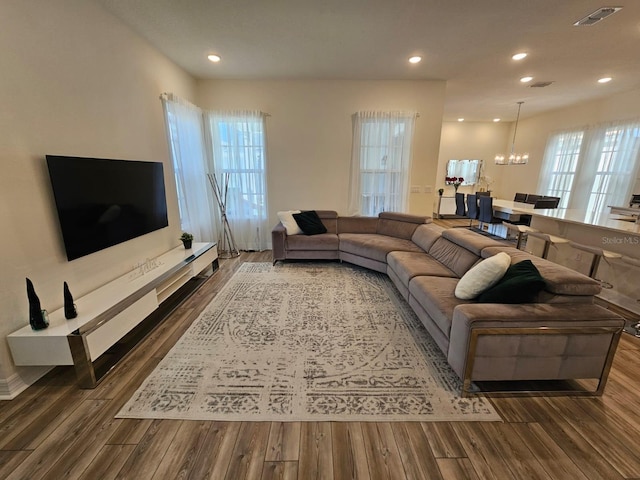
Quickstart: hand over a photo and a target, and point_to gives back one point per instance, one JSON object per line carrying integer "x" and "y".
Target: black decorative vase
{"x": 69, "y": 307}
{"x": 187, "y": 244}
{"x": 37, "y": 317}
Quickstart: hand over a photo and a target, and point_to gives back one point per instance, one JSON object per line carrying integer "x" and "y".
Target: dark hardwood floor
{"x": 54, "y": 430}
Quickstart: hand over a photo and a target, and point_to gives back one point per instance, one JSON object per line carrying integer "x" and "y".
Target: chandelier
{"x": 513, "y": 158}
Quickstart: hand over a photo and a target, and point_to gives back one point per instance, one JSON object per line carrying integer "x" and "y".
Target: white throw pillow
{"x": 482, "y": 276}
{"x": 290, "y": 224}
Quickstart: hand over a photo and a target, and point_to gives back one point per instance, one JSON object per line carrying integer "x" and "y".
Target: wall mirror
{"x": 467, "y": 169}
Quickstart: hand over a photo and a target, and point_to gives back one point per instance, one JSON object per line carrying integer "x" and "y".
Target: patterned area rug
{"x": 306, "y": 342}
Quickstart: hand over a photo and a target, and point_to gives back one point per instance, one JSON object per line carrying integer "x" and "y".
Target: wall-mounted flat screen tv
{"x": 104, "y": 202}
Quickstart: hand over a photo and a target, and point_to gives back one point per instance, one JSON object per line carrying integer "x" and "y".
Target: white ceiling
{"x": 468, "y": 43}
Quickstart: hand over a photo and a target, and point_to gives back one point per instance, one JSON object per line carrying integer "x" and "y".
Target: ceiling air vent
{"x": 540, "y": 84}
{"x": 596, "y": 16}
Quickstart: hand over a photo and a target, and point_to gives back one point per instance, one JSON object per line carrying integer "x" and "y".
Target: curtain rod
{"x": 415, "y": 114}
{"x": 171, "y": 96}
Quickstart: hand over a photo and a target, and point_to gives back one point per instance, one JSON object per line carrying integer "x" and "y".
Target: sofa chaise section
{"x": 538, "y": 341}
{"x": 562, "y": 335}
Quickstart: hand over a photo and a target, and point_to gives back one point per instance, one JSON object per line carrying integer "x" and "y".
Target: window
{"x": 593, "y": 168}
{"x": 563, "y": 152}
{"x": 227, "y": 143}
{"x": 380, "y": 162}
{"x": 238, "y": 142}
{"x": 615, "y": 168}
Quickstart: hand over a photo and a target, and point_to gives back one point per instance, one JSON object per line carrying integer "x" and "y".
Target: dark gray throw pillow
{"x": 309, "y": 222}
{"x": 520, "y": 284}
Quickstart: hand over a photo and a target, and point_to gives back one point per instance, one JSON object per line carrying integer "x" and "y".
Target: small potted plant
{"x": 187, "y": 239}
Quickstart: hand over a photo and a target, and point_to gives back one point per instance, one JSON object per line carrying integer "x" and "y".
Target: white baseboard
{"x": 17, "y": 383}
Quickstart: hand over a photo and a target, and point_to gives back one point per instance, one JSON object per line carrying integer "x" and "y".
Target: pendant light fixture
{"x": 513, "y": 158}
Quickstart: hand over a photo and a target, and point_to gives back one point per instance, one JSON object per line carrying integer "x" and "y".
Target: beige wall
{"x": 484, "y": 140}
{"x": 533, "y": 134}
{"x": 309, "y": 133}
{"x": 472, "y": 140}
{"x": 74, "y": 81}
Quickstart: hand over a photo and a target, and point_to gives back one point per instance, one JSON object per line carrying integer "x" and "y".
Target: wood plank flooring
{"x": 54, "y": 430}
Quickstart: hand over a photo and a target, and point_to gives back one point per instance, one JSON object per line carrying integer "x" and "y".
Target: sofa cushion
{"x": 470, "y": 240}
{"x": 323, "y": 241}
{"x": 453, "y": 256}
{"x": 482, "y": 276}
{"x": 520, "y": 284}
{"x": 400, "y": 225}
{"x": 426, "y": 235}
{"x": 290, "y": 224}
{"x": 309, "y": 222}
{"x": 407, "y": 265}
{"x": 374, "y": 246}
{"x": 357, "y": 224}
{"x": 435, "y": 296}
{"x": 558, "y": 279}
{"x": 329, "y": 220}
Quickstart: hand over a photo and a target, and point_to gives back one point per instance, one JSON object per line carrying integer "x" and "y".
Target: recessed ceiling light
{"x": 519, "y": 56}
{"x": 526, "y": 79}
{"x": 415, "y": 59}
{"x": 496, "y": 120}
{"x": 605, "y": 80}
{"x": 214, "y": 58}
{"x": 461, "y": 119}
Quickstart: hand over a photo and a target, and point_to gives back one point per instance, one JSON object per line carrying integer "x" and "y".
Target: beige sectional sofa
{"x": 560, "y": 335}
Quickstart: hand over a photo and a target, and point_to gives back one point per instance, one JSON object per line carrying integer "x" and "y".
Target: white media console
{"x": 108, "y": 313}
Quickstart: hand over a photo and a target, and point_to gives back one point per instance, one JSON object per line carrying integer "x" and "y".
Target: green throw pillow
{"x": 520, "y": 284}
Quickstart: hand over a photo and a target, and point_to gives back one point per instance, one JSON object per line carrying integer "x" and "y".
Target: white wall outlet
{"x": 428, "y": 189}
{"x": 415, "y": 189}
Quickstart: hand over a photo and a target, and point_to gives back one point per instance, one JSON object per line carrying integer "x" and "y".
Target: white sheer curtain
{"x": 560, "y": 165}
{"x": 185, "y": 134}
{"x": 238, "y": 143}
{"x": 380, "y": 162}
{"x": 610, "y": 166}
{"x": 593, "y": 167}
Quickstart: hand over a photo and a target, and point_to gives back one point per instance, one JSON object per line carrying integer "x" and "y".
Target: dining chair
{"x": 546, "y": 203}
{"x": 460, "y": 207}
{"x": 556, "y": 201}
{"x": 485, "y": 212}
{"x": 472, "y": 208}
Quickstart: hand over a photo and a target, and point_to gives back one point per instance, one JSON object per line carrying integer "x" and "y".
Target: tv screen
{"x": 103, "y": 202}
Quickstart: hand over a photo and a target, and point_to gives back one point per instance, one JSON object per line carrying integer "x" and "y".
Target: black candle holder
{"x": 38, "y": 318}
{"x": 70, "y": 310}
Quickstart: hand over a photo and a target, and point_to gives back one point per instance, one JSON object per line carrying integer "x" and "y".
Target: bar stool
{"x": 598, "y": 254}
{"x": 634, "y": 262}
{"x": 520, "y": 232}
{"x": 548, "y": 241}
